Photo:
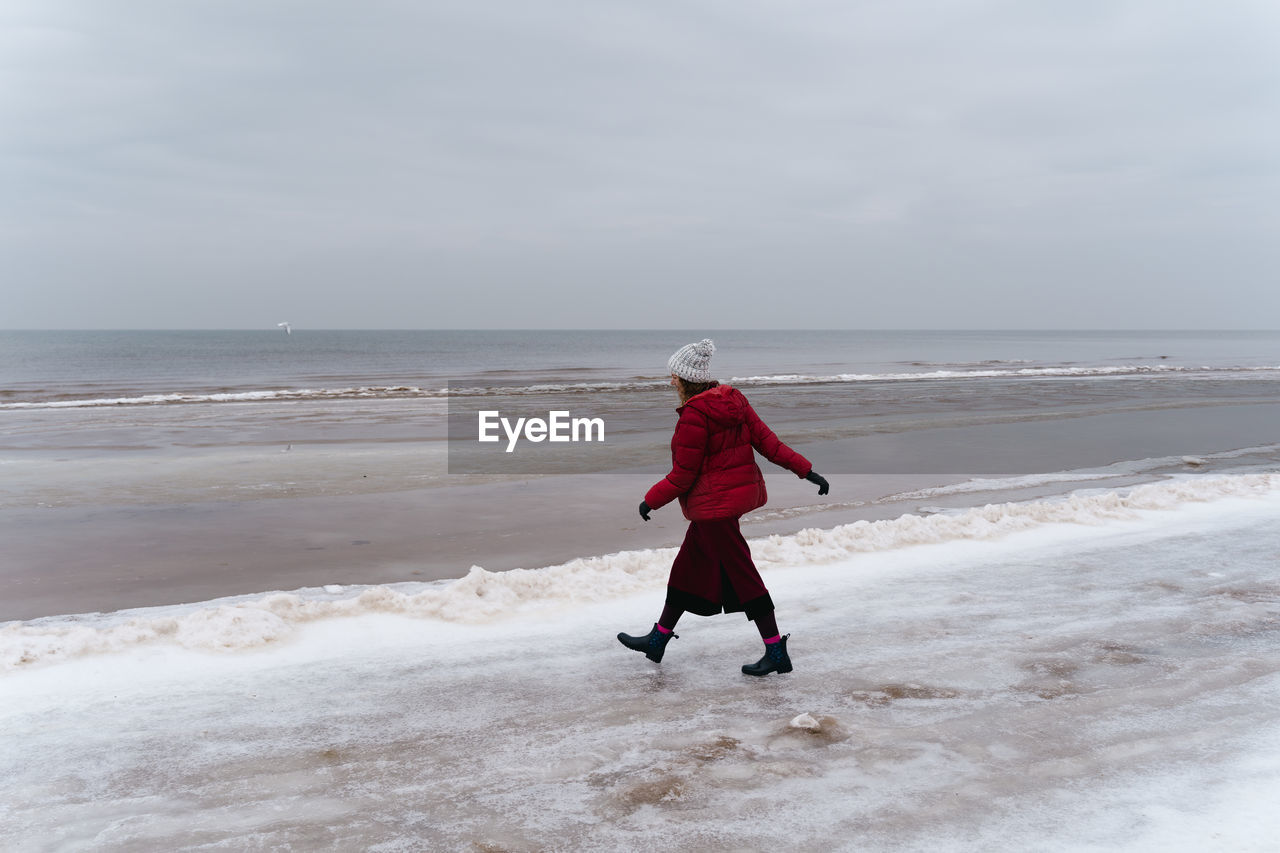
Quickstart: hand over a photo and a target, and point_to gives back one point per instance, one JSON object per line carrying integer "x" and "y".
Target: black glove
{"x": 816, "y": 478}
{"x": 644, "y": 510}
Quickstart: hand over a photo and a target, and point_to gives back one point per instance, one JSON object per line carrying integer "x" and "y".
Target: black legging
{"x": 766, "y": 624}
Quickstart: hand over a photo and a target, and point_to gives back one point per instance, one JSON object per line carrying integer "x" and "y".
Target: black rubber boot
{"x": 775, "y": 659}
{"x": 652, "y": 644}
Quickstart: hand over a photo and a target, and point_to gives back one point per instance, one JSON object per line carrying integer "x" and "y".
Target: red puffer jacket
{"x": 713, "y": 468}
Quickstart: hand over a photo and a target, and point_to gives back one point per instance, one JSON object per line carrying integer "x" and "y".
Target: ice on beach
{"x": 1104, "y": 472}
{"x": 1094, "y": 673}
{"x": 805, "y": 721}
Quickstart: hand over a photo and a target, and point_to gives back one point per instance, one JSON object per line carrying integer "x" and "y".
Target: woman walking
{"x": 715, "y": 476}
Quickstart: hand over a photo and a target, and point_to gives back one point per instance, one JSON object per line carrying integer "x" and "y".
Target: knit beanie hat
{"x": 692, "y": 361}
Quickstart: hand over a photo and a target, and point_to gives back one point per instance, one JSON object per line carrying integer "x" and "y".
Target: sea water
{"x": 79, "y": 368}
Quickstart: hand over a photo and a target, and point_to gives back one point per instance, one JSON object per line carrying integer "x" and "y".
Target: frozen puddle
{"x": 1113, "y": 686}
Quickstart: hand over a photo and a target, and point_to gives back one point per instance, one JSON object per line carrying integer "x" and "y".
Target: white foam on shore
{"x": 352, "y": 393}
{"x": 1119, "y": 370}
{"x": 402, "y": 391}
{"x": 482, "y": 596}
{"x": 1104, "y": 472}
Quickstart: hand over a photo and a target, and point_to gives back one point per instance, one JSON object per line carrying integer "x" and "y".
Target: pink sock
{"x": 663, "y": 630}
{"x": 770, "y": 641}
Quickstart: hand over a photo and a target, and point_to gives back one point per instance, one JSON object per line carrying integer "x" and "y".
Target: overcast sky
{"x": 963, "y": 164}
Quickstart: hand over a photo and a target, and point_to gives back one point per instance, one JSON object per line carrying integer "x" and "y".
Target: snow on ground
{"x": 1104, "y": 681}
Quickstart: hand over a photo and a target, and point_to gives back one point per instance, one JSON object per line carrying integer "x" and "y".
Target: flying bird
{"x": 288, "y": 330}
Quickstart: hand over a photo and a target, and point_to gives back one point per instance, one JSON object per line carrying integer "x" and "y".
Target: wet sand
{"x": 111, "y": 534}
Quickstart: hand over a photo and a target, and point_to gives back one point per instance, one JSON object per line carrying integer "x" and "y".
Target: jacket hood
{"x": 723, "y": 404}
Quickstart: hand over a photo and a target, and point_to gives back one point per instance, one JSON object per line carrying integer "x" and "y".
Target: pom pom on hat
{"x": 692, "y": 362}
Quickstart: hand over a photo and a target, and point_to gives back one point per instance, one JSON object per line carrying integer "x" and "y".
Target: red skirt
{"x": 714, "y": 572}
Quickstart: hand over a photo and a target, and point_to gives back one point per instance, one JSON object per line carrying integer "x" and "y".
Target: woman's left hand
{"x": 818, "y": 480}
{"x": 644, "y": 510}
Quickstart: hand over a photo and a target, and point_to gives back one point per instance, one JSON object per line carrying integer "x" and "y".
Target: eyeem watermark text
{"x": 559, "y": 426}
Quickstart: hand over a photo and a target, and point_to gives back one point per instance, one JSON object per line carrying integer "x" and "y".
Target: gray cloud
{"x": 393, "y": 164}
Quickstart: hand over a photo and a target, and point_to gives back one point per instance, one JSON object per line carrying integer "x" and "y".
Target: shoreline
{"x": 168, "y": 554}
{"x": 779, "y": 524}
{"x": 177, "y": 525}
